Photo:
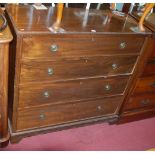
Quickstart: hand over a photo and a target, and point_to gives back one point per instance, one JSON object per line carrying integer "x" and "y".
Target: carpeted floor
{"x": 134, "y": 136}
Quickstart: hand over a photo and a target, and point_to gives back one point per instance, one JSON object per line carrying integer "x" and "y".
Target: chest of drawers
{"x": 80, "y": 76}
{"x": 141, "y": 102}
{"x": 5, "y": 38}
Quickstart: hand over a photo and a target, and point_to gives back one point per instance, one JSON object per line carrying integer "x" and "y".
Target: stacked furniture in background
{"x": 141, "y": 103}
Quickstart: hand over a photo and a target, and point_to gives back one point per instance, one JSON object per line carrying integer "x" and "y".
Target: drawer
{"x": 60, "y": 114}
{"x": 140, "y": 101}
{"x": 47, "y": 47}
{"x": 144, "y": 85}
{"x": 149, "y": 69}
{"x": 77, "y": 68}
{"x": 70, "y": 91}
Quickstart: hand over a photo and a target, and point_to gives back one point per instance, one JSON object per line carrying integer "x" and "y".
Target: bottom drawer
{"x": 140, "y": 101}
{"x": 58, "y": 114}
{"x": 144, "y": 85}
{"x": 140, "y": 114}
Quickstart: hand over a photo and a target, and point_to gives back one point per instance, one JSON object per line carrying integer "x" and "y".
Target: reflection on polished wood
{"x": 73, "y": 19}
{"x": 56, "y": 25}
{"x": 113, "y": 6}
{"x": 149, "y": 21}
{"x": 147, "y": 10}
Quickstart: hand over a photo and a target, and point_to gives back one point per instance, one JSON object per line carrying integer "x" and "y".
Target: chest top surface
{"x": 149, "y": 21}
{"x": 26, "y": 19}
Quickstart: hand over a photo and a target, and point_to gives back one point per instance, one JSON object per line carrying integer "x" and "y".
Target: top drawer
{"x": 47, "y": 47}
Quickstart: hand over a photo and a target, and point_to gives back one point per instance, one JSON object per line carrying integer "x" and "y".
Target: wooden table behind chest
{"x": 77, "y": 76}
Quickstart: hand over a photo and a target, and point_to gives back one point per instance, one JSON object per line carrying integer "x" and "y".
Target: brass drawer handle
{"x": 99, "y": 108}
{"x": 153, "y": 85}
{"x": 122, "y": 45}
{"x": 145, "y": 102}
{"x": 50, "y": 71}
{"x": 54, "y": 48}
{"x": 46, "y": 94}
{"x": 42, "y": 116}
{"x": 107, "y": 87}
{"x": 114, "y": 66}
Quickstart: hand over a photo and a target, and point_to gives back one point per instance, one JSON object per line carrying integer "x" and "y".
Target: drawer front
{"x": 149, "y": 69}
{"x": 59, "y": 114}
{"x": 140, "y": 101}
{"x": 47, "y": 47}
{"x": 80, "y": 68}
{"x": 71, "y": 91}
{"x": 144, "y": 85}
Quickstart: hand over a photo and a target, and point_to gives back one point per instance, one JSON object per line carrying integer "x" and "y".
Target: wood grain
{"x": 147, "y": 49}
{"x": 148, "y": 22}
{"x": 78, "y": 89}
{"x": 39, "y": 47}
{"x": 146, "y": 84}
{"x": 141, "y": 101}
{"x": 149, "y": 69}
{"x": 58, "y": 114}
{"x": 68, "y": 69}
{"x": 75, "y": 20}
{"x": 70, "y": 91}
{"x": 140, "y": 114}
{"x": 5, "y": 38}
{"x": 153, "y": 51}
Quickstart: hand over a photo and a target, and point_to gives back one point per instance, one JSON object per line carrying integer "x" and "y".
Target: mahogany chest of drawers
{"x": 74, "y": 77}
{"x": 141, "y": 103}
{"x": 5, "y": 38}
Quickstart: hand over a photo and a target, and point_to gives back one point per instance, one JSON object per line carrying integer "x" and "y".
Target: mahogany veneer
{"x": 77, "y": 68}
{"x": 77, "y": 76}
{"x": 5, "y": 38}
{"x": 141, "y": 103}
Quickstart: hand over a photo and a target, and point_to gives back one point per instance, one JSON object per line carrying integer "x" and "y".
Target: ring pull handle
{"x": 50, "y": 71}
{"x": 114, "y": 66}
{"x": 54, "y": 48}
{"x": 42, "y": 116}
{"x": 153, "y": 85}
{"x": 107, "y": 87}
{"x": 46, "y": 94}
{"x": 99, "y": 108}
{"x": 145, "y": 102}
{"x": 122, "y": 45}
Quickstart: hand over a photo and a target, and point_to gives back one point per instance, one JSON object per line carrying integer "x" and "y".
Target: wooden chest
{"x": 78, "y": 76}
{"x": 5, "y": 38}
{"x": 141, "y": 103}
